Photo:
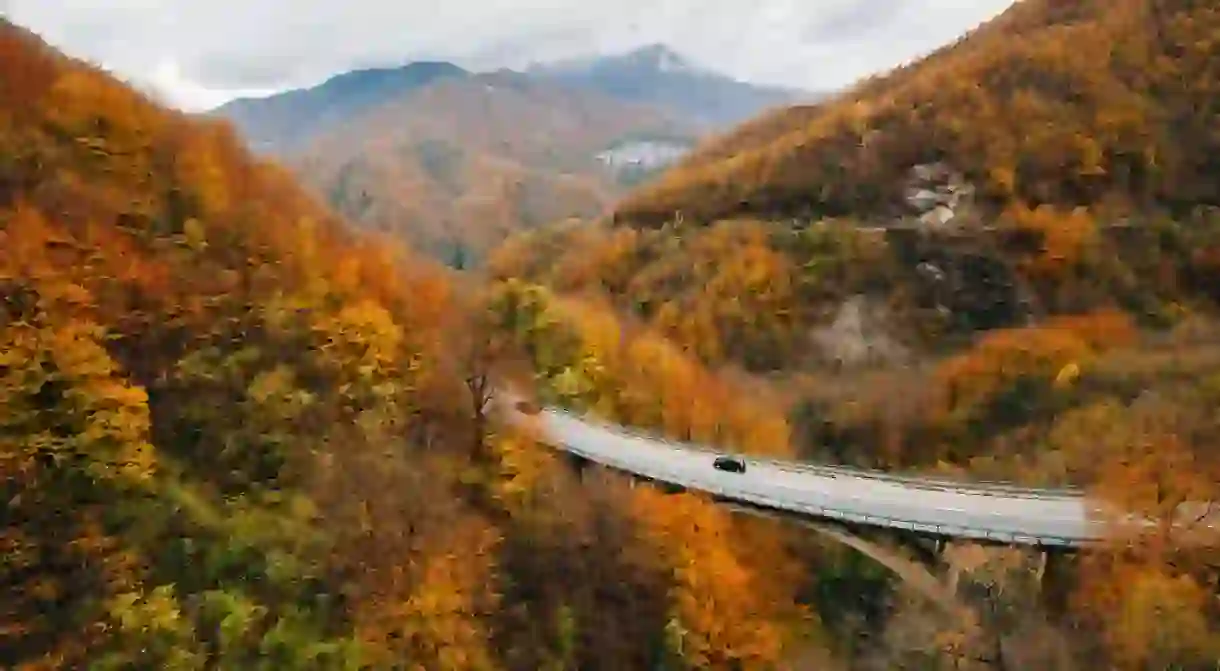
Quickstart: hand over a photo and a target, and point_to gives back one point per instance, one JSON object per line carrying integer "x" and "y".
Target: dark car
{"x": 528, "y": 407}
{"x": 729, "y": 464}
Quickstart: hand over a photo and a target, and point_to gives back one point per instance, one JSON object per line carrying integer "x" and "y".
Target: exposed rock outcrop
{"x": 961, "y": 277}
{"x": 858, "y": 335}
{"x": 937, "y": 194}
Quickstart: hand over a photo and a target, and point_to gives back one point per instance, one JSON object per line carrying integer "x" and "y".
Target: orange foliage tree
{"x": 718, "y": 619}
{"x": 1148, "y": 592}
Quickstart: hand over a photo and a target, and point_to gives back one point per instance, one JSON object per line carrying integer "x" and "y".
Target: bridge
{"x": 839, "y": 501}
{"x": 933, "y": 507}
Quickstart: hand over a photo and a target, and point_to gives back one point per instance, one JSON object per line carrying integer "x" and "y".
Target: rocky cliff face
{"x": 959, "y": 276}
{"x": 859, "y": 335}
{"x": 938, "y": 194}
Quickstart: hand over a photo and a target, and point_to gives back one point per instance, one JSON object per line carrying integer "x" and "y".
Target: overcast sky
{"x": 200, "y": 53}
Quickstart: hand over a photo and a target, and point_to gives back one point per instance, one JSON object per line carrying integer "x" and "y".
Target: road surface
{"x": 1000, "y": 513}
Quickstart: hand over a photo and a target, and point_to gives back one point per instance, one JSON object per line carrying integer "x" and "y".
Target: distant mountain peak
{"x": 409, "y": 75}
{"x": 281, "y": 122}
{"x": 658, "y": 57}
{"x": 656, "y": 74}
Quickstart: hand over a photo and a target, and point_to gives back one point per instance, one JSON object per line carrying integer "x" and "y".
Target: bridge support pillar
{"x": 938, "y": 547}
{"x": 580, "y": 465}
{"x": 1054, "y": 580}
{"x": 928, "y": 550}
{"x": 953, "y": 577}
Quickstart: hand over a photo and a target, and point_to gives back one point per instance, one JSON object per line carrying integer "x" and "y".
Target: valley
{"x": 254, "y": 362}
{"x": 452, "y": 162}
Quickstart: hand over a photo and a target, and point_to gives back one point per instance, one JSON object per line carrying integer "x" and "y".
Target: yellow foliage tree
{"x": 1066, "y": 237}
{"x": 438, "y": 625}
{"x": 73, "y": 433}
{"x": 719, "y": 621}
{"x": 1002, "y": 357}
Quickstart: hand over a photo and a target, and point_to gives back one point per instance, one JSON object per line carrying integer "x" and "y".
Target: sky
{"x": 196, "y": 54}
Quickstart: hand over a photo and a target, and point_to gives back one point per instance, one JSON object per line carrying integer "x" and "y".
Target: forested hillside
{"x": 237, "y": 436}
{"x": 826, "y": 324}
{"x": 285, "y": 122}
{"x": 1068, "y": 103}
{"x": 999, "y": 262}
{"x": 456, "y": 167}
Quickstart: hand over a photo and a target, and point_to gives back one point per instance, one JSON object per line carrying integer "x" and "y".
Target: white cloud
{"x": 201, "y": 53}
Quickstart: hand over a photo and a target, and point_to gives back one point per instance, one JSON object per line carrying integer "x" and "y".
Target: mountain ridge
{"x": 517, "y": 149}
{"x": 657, "y": 74}
{"x": 1036, "y": 107}
{"x": 465, "y": 162}
{"x": 280, "y": 122}
{"x": 638, "y": 76}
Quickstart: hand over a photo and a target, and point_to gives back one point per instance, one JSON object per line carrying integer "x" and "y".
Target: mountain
{"x": 1001, "y": 262}
{"x": 656, "y": 75}
{"x": 454, "y": 161}
{"x": 1087, "y": 103}
{"x": 238, "y": 435}
{"x": 1029, "y": 170}
{"x": 458, "y": 165}
{"x": 284, "y": 122}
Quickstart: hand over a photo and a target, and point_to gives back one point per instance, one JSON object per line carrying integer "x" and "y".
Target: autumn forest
{"x": 237, "y": 432}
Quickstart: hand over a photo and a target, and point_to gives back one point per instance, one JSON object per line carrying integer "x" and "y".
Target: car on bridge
{"x": 528, "y": 407}
{"x": 730, "y": 464}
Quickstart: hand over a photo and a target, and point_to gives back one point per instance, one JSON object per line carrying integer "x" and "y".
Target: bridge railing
{"x": 826, "y": 512}
{"x": 922, "y": 482}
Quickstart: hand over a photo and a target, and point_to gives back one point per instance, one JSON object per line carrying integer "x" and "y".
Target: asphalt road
{"x": 1002, "y": 513}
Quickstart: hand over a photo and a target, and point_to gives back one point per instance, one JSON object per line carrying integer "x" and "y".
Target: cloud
{"x": 198, "y": 53}
{"x": 859, "y": 19}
